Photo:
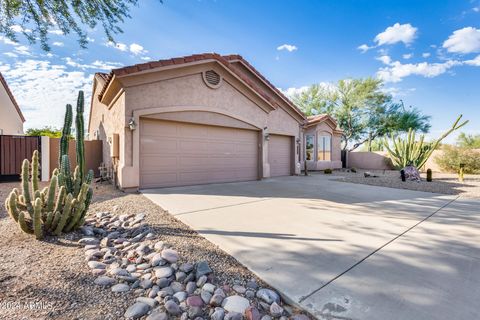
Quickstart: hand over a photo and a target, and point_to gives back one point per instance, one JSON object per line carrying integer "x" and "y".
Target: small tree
{"x": 45, "y": 131}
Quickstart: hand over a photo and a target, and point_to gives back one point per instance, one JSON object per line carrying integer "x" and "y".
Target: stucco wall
{"x": 10, "y": 121}
{"x": 369, "y": 160}
{"x": 182, "y": 95}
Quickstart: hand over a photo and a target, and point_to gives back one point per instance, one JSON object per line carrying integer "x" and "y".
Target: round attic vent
{"x": 212, "y": 79}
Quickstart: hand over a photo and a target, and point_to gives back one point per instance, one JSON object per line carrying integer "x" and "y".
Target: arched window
{"x": 324, "y": 146}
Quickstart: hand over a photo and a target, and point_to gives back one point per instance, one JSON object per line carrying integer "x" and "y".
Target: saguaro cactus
{"x": 66, "y": 131}
{"x": 80, "y": 135}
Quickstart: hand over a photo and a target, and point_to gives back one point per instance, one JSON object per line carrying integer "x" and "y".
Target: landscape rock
{"x": 157, "y": 315}
{"x": 170, "y": 255}
{"x": 96, "y": 265}
{"x": 195, "y": 301}
{"x": 120, "y": 287}
{"x": 268, "y": 295}
{"x": 235, "y": 304}
{"x": 172, "y": 308}
{"x": 202, "y": 268}
{"x": 218, "y": 314}
{"x": 104, "y": 281}
{"x": 275, "y": 310}
{"x": 149, "y": 301}
{"x": 136, "y": 310}
{"x": 163, "y": 272}
{"x": 89, "y": 241}
{"x": 252, "y": 313}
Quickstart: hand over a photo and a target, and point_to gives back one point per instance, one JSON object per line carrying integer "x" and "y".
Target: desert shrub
{"x": 327, "y": 171}
{"x": 452, "y": 157}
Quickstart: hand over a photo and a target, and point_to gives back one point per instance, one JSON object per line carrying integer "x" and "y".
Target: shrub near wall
{"x": 452, "y": 157}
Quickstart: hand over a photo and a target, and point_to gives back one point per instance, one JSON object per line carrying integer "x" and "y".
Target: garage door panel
{"x": 280, "y": 155}
{"x": 175, "y": 154}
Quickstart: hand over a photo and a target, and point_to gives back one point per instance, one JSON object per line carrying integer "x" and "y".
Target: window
{"x": 309, "y": 147}
{"x": 324, "y": 147}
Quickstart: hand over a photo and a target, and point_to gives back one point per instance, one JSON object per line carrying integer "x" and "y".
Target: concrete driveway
{"x": 344, "y": 251}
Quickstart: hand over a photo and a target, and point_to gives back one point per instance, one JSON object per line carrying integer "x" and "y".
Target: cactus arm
{"x": 67, "y": 125}
{"x": 77, "y": 181}
{"x": 52, "y": 189}
{"x": 23, "y": 224}
{"x": 80, "y": 135}
{"x": 26, "y": 185}
{"x": 11, "y": 205}
{"x": 77, "y": 215}
{"x": 49, "y": 220}
{"x": 69, "y": 203}
{"x": 56, "y": 218}
{"x": 89, "y": 177}
{"x": 66, "y": 176}
{"x": 37, "y": 219}
{"x": 35, "y": 162}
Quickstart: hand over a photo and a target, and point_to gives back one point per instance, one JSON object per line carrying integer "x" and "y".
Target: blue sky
{"x": 427, "y": 52}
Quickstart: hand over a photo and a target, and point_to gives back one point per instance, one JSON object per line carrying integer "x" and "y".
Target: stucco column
{"x": 266, "y": 164}
{"x": 45, "y": 158}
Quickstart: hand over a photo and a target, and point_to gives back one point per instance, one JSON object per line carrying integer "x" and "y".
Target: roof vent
{"x": 212, "y": 79}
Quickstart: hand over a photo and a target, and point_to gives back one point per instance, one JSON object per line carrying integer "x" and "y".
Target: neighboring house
{"x": 11, "y": 117}
{"x": 199, "y": 119}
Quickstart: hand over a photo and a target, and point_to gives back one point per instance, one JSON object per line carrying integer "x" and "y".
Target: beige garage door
{"x": 180, "y": 154}
{"x": 280, "y": 155}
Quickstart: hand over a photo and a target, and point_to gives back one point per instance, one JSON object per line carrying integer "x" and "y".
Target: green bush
{"x": 452, "y": 157}
{"x": 327, "y": 171}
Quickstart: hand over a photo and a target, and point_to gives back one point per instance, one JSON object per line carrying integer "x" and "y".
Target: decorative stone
{"x": 176, "y": 286}
{"x": 158, "y": 246}
{"x": 163, "y": 272}
{"x": 195, "y": 301}
{"x": 300, "y": 317}
{"x": 120, "y": 287}
{"x": 146, "y": 284}
{"x": 181, "y": 296}
{"x": 186, "y": 267}
{"x": 275, "y": 310}
{"x": 157, "y": 260}
{"x": 252, "y": 313}
{"x": 96, "y": 265}
{"x": 268, "y": 296}
{"x": 180, "y": 276}
{"x": 266, "y": 317}
{"x": 206, "y": 296}
{"x": 250, "y": 294}
{"x": 157, "y": 315}
{"x": 218, "y": 314}
{"x": 235, "y": 304}
{"x": 151, "y": 302}
{"x": 194, "y": 312}
{"x": 104, "y": 281}
{"x": 119, "y": 272}
{"x": 88, "y": 241}
{"x": 163, "y": 282}
{"x": 202, "y": 268}
{"x": 172, "y": 308}
{"x": 98, "y": 272}
{"x": 170, "y": 255}
{"x": 153, "y": 292}
{"x": 233, "y": 316}
{"x": 131, "y": 268}
{"x": 208, "y": 287}
{"x": 136, "y": 310}
{"x": 143, "y": 266}
{"x": 191, "y": 287}
{"x": 252, "y": 284}
{"x": 201, "y": 281}
{"x": 239, "y": 289}
{"x": 217, "y": 300}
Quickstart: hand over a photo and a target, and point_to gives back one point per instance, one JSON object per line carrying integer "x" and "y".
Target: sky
{"x": 426, "y": 52}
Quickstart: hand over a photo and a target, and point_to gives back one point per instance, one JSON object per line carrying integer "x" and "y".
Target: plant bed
{"x": 55, "y": 272}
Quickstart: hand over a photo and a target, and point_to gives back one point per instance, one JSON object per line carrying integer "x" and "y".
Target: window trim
{"x": 313, "y": 135}
{"x": 323, "y": 134}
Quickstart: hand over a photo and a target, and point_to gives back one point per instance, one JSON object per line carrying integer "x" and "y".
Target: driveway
{"x": 344, "y": 251}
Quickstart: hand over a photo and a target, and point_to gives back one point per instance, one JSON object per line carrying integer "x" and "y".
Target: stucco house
{"x": 11, "y": 117}
{"x": 201, "y": 119}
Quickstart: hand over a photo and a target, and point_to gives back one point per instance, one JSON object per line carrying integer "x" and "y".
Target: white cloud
{"x": 474, "y": 62}
{"x": 384, "y": 59}
{"x": 23, "y": 50}
{"x": 97, "y": 64}
{"x": 146, "y": 58}
{"x": 398, "y": 92}
{"x": 137, "y": 49}
{"x": 426, "y": 54}
{"x": 18, "y": 28}
{"x": 288, "y": 47}
{"x": 407, "y": 56}
{"x": 120, "y": 46}
{"x": 58, "y": 44}
{"x": 58, "y": 32}
{"x": 466, "y": 40}
{"x": 11, "y": 54}
{"x": 396, "y": 71}
{"x": 43, "y": 89}
{"x": 476, "y": 9}
{"x": 405, "y": 33}
{"x": 290, "y": 92}
{"x": 7, "y": 41}
{"x": 364, "y": 48}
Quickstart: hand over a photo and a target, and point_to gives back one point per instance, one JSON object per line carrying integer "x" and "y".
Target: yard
{"x": 445, "y": 183}
{"x": 51, "y": 279}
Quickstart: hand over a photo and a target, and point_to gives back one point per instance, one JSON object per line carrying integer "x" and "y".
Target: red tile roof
{"x": 223, "y": 60}
{"x": 12, "y": 98}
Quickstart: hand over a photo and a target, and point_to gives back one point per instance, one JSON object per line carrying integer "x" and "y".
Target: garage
{"x": 280, "y": 155}
{"x": 179, "y": 154}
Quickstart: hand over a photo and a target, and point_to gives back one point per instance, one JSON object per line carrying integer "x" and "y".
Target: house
{"x": 11, "y": 117}
{"x": 201, "y": 119}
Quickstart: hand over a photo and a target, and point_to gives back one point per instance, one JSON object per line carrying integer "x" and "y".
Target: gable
{"x": 8, "y": 95}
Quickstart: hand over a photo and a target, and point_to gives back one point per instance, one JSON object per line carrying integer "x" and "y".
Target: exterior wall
{"x": 10, "y": 121}
{"x": 336, "y": 162}
{"x": 378, "y": 160}
{"x": 176, "y": 94}
{"x": 106, "y": 121}
{"x": 93, "y": 154}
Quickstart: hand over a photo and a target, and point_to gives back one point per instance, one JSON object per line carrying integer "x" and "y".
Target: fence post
{"x": 45, "y": 155}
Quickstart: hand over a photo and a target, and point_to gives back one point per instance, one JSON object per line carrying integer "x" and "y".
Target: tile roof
{"x": 12, "y": 98}
{"x": 223, "y": 60}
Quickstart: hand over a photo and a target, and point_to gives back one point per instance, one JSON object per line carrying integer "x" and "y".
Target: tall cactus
{"x": 66, "y": 131}
{"x": 80, "y": 135}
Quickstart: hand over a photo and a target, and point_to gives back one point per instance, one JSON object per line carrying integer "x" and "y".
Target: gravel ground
{"x": 445, "y": 183}
{"x": 50, "y": 279}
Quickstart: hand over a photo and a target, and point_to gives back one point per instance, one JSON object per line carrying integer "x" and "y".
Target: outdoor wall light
{"x": 266, "y": 135}
{"x": 131, "y": 124}
{"x": 298, "y": 140}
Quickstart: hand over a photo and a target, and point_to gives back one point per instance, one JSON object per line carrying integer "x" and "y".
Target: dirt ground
{"x": 445, "y": 183}
{"x": 50, "y": 279}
